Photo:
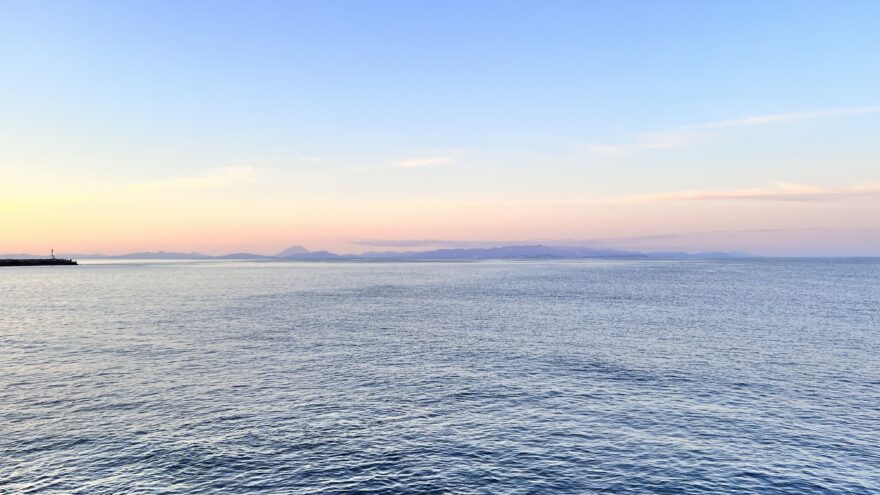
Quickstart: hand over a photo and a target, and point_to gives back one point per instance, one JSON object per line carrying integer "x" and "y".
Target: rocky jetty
{"x": 36, "y": 262}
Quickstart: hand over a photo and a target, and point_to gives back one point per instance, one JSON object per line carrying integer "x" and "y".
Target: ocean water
{"x": 740, "y": 376}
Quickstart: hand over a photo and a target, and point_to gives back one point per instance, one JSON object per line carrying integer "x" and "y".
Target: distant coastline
{"x": 521, "y": 252}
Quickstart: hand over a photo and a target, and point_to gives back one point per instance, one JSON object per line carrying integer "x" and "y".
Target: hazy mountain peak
{"x": 293, "y": 251}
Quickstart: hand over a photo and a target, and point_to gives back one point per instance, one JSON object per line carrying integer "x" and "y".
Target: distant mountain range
{"x": 502, "y": 252}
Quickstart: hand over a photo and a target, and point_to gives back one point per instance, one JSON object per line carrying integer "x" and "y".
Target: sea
{"x": 493, "y": 377}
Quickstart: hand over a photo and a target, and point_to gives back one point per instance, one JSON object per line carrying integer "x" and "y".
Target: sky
{"x": 352, "y": 126}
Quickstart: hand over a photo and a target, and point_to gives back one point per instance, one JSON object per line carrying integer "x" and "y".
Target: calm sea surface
{"x": 754, "y": 376}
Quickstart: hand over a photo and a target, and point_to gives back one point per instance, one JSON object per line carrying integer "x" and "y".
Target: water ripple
{"x": 754, "y": 376}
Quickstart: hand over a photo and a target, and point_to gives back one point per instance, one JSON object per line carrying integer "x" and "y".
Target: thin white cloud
{"x": 425, "y": 161}
{"x": 682, "y": 136}
{"x": 210, "y": 179}
{"x": 429, "y": 243}
{"x": 308, "y": 159}
{"x": 655, "y": 141}
{"x": 788, "y": 117}
{"x": 781, "y": 192}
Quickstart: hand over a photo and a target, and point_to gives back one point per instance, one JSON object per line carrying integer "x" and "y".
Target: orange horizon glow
{"x": 113, "y": 221}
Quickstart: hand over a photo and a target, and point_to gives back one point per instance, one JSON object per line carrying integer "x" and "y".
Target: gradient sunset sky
{"x": 370, "y": 125}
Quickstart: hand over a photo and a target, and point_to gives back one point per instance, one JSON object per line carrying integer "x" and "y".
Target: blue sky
{"x": 366, "y": 103}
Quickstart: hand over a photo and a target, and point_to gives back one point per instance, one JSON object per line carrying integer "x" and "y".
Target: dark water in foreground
{"x": 493, "y": 377}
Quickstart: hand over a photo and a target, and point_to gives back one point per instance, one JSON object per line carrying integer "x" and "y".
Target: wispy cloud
{"x": 425, "y": 161}
{"x": 684, "y": 135}
{"x": 210, "y": 179}
{"x": 426, "y": 243}
{"x": 308, "y": 159}
{"x": 401, "y": 242}
{"x": 788, "y": 117}
{"x": 621, "y": 241}
{"x": 814, "y": 241}
{"x": 654, "y": 141}
{"x": 780, "y": 192}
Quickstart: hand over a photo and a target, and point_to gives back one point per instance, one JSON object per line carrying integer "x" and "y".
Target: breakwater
{"x": 36, "y": 262}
